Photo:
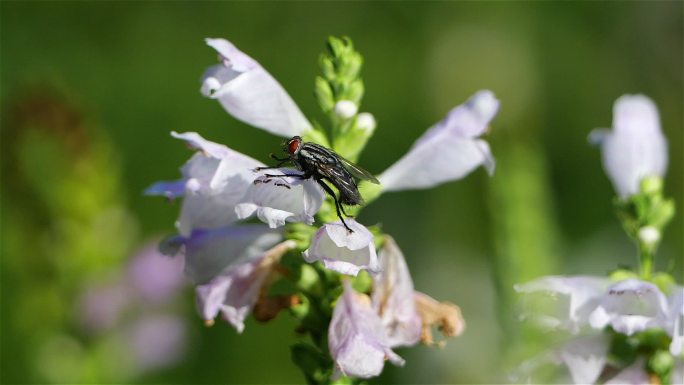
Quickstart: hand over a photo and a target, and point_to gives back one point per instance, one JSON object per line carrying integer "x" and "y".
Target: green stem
{"x": 646, "y": 262}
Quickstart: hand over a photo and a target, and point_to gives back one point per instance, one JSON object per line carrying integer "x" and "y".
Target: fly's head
{"x": 292, "y": 146}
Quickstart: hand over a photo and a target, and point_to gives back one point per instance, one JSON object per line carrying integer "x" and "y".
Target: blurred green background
{"x": 90, "y": 91}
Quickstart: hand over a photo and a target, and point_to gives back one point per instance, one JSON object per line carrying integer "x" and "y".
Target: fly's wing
{"x": 345, "y": 184}
{"x": 358, "y": 171}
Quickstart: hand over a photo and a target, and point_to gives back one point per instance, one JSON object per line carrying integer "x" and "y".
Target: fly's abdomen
{"x": 346, "y": 185}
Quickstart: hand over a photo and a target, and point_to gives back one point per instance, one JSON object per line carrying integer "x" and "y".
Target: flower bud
{"x": 652, "y": 185}
{"x": 366, "y": 121}
{"x": 345, "y": 109}
{"x": 649, "y": 235}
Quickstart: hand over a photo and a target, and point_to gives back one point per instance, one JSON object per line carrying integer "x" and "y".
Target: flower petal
{"x": 676, "y": 320}
{"x": 170, "y": 190}
{"x": 447, "y": 151}
{"x": 341, "y": 251}
{"x": 636, "y": 148}
{"x": 582, "y": 294}
{"x": 214, "y": 181}
{"x": 235, "y": 292}
{"x": 250, "y": 94}
{"x": 393, "y": 297}
{"x": 585, "y": 357}
{"x": 209, "y": 252}
{"x": 276, "y": 200}
{"x": 446, "y": 316}
{"x": 357, "y": 338}
{"x": 634, "y": 374}
{"x": 631, "y": 306}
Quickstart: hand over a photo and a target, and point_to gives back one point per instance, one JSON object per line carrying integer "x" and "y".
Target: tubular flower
{"x": 214, "y": 181}
{"x": 235, "y": 292}
{"x": 275, "y": 200}
{"x": 628, "y": 307}
{"x": 393, "y": 297}
{"x": 210, "y": 252}
{"x": 356, "y": 338}
{"x": 341, "y": 251}
{"x": 447, "y": 151}
{"x": 636, "y": 147}
{"x": 250, "y": 94}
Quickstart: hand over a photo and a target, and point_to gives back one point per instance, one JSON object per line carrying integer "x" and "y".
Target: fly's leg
{"x": 280, "y": 163}
{"x": 306, "y": 175}
{"x": 337, "y": 203}
{"x": 272, "y": 156}
{"x": 344, "y": 212}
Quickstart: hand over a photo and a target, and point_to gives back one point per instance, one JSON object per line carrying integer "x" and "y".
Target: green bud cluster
{"x": 644, "y": 216}
{"x": 340, "y": 84}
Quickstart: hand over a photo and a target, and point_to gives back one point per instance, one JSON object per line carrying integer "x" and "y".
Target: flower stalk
{"x": 347, "y": 284}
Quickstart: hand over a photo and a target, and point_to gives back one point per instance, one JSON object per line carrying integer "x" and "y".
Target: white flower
{"x": 249, "y": 93}
{"x": 631, "y": 306}
{"x": 628, "y": 306}
{"x": 574, "y": 299}
{"x": 357, "y": 338}
{"x": 214, "y": 181}
{"x": 584, "y": 357}
{"x": 210, "y": 252}
{"x": 447, "y": 151}
{"x": 393, "y": 297}
{"x": 276, "y": 200}
{"x": 636, "y": 147}
{"x": 345, "y": 109}
{"x": 220, "y": 186}
{"x": 342, "y": 251}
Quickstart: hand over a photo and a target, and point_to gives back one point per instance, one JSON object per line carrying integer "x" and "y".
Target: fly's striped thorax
{"x": 318, "y": 154}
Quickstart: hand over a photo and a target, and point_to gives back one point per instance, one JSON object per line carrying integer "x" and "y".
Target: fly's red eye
{"x": 293, "y": 146}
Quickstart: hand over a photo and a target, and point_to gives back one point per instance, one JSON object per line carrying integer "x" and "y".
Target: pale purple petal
{"x": 393, "y": 297}
{"x": 676, "y": 320}
{"x": 250, "y": 94}
{"x": 277, "y": 200}
{"x": 170, "y": 190}
{"x": 447, "y": 151}
{"x": 631, "y": 306}
{"x": 356, "y": 337}
{"x": 197, "y": 142}
{"x": 156, "y": 278}
{"x": 214, "y": 181}
{"x": 584, "y": 357}
{"x": 636, "y": 147}
{"x": 157, "y": 341}
{"x": 580, "y": 295}
{"x": 677, "y": 376}
{"x": 342, "y": 251}
{"x": 231, "y": 56}
{"x": 209, "y": 252}
{"x": 235, "y": 292}
{"x": 634, "y": 374}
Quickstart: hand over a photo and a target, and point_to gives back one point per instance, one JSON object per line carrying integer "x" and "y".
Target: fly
{"x": 321, "y": 163}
